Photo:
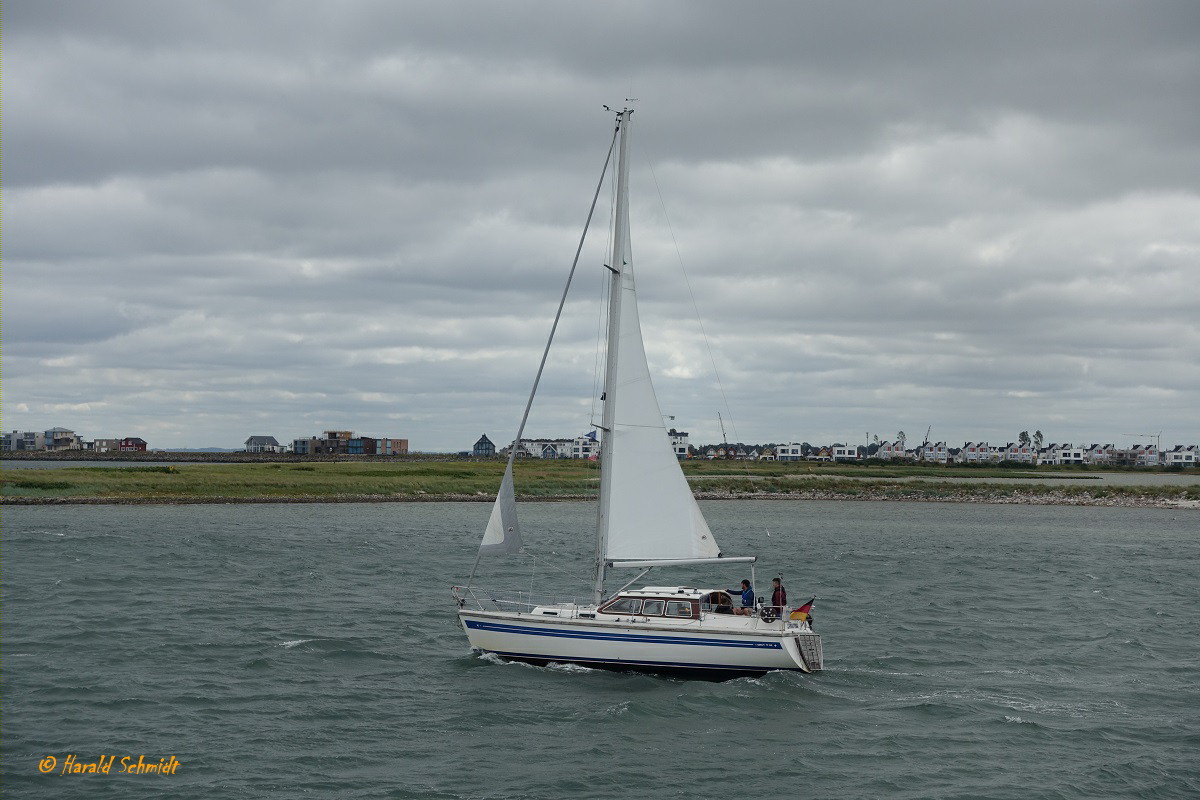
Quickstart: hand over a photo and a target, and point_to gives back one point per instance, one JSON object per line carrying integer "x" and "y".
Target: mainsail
{"x": 651, "y": 511}
{"x": 647, "y": 510}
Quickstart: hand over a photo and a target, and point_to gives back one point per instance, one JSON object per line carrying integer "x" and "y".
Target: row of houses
{"x": 1096, "y": 455}
{"x": 58, "y": 439}
{"x": 584, "y": 446}
{"x": 1149, "y": 455}
{"x": 339, "y": 443}
{"x": 1141, "y": 455}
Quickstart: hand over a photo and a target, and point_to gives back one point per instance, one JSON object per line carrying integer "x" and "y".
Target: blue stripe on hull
{"x": 497, "y": 627}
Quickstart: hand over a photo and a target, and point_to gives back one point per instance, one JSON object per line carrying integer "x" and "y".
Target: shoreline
{"x": 1051, "y": 498}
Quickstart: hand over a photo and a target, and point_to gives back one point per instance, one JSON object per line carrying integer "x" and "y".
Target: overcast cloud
{"x": 225, "y": 219}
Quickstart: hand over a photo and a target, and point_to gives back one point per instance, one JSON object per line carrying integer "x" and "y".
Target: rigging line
{"x": 695, "y": 307}
{"x": 551, "y": 565}
{"x": 562, "y": 302}
{"x": 516, "y": 444}
{"x": 601, "y": 319}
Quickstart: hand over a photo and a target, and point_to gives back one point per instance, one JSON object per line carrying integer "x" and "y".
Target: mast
{"x": 620, "y": 257}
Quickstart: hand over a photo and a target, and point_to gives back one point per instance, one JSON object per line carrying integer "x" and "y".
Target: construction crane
{"x": 1157, "y": 437}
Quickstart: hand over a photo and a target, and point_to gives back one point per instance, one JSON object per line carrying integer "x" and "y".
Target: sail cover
{"x": 652, "y": 513}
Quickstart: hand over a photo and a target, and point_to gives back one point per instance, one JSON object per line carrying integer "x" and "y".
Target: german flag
{"x": 804, "y": 612}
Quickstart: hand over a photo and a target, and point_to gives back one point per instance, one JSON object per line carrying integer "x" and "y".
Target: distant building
{"x": 132, "y": 444}
{"x": 483, "y": 447}
{"x": 329, "y": 443}
{"x": 345, "y": 443}
{"x": 679, "y": 443}
{"x": 1100, "y": 455}
{"x": 789, "y": 452}
{"x": 62, "y": 439}
{"x": 1182, "y": 456}
{"x": 545, "y": 448}
{"x": 1021, "y": 453}
{"x": 974, "y": 453}
{"x": 1061, "y": 454}
{"x": 391, "y": 447}
{"x": 53, "y": 439}
{"x": 263, "y": 444}
{"x": 938, "y": 452}
{"x": 586, "y": 446}
{"x": 843, "y": 452}
{"x": 23, "y": 440}
{"x": 1146, "y": 455}
{"x": 366, "y": 446}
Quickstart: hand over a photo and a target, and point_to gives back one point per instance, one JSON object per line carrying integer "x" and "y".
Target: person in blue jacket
{"x": 747, "y": 599}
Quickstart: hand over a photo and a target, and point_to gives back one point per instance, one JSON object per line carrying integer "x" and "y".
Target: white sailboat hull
{"x": 720, "y": 647}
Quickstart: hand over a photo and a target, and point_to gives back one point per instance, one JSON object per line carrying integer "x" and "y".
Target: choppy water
{"x": 284, "y": 651}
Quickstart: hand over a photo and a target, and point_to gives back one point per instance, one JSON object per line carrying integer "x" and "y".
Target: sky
{"x": 226, "y": 219}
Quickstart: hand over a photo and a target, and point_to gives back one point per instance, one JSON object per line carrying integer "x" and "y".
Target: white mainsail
{"x": 647, "y": 508}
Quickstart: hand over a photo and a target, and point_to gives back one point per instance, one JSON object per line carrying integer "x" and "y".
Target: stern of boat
{"x": 808, "y": 649}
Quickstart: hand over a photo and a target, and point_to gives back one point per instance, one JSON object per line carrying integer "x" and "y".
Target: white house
{"x": 1061, "y": 454}
{"x": 1182, "y": 455}
{"x": 1146, "y": 455}
{"x": 789, "y": 452}
{"x": 938, "y": 453}
{"x": 547, "y": 448}
{"x": 1021, "y": 453}
{"x": 845, "y": 452}
{"x": 1099, "y": 454}
{"x": 679, "y": 443}
{"x": 264, "y": 444}
{"x": 975, "y": 453}
{"x": 585, "y": 446}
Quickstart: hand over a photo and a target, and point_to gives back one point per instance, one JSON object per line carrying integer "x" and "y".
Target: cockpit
{"x": 717, "y": 602}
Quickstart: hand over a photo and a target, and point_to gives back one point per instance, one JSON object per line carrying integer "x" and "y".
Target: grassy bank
{"x": 401, "y": 480}
{"x": 413, "y": 480}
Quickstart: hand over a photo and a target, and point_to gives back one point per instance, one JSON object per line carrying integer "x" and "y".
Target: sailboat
{"x": 647, "y": 519}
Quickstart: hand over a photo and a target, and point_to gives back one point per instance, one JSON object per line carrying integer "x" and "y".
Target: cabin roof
{"x": 685, "y": 592}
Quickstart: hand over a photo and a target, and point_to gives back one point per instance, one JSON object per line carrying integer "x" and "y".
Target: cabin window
{"x": 624, "y": 605}
{"x": 679, "y": 608}
{"x": 653, "y": 608}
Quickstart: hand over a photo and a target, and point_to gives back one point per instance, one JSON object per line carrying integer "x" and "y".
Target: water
{"x": 309, "y": 650}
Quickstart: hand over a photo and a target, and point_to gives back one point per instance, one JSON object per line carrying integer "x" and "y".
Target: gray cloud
{"x": 274, "y": 218}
